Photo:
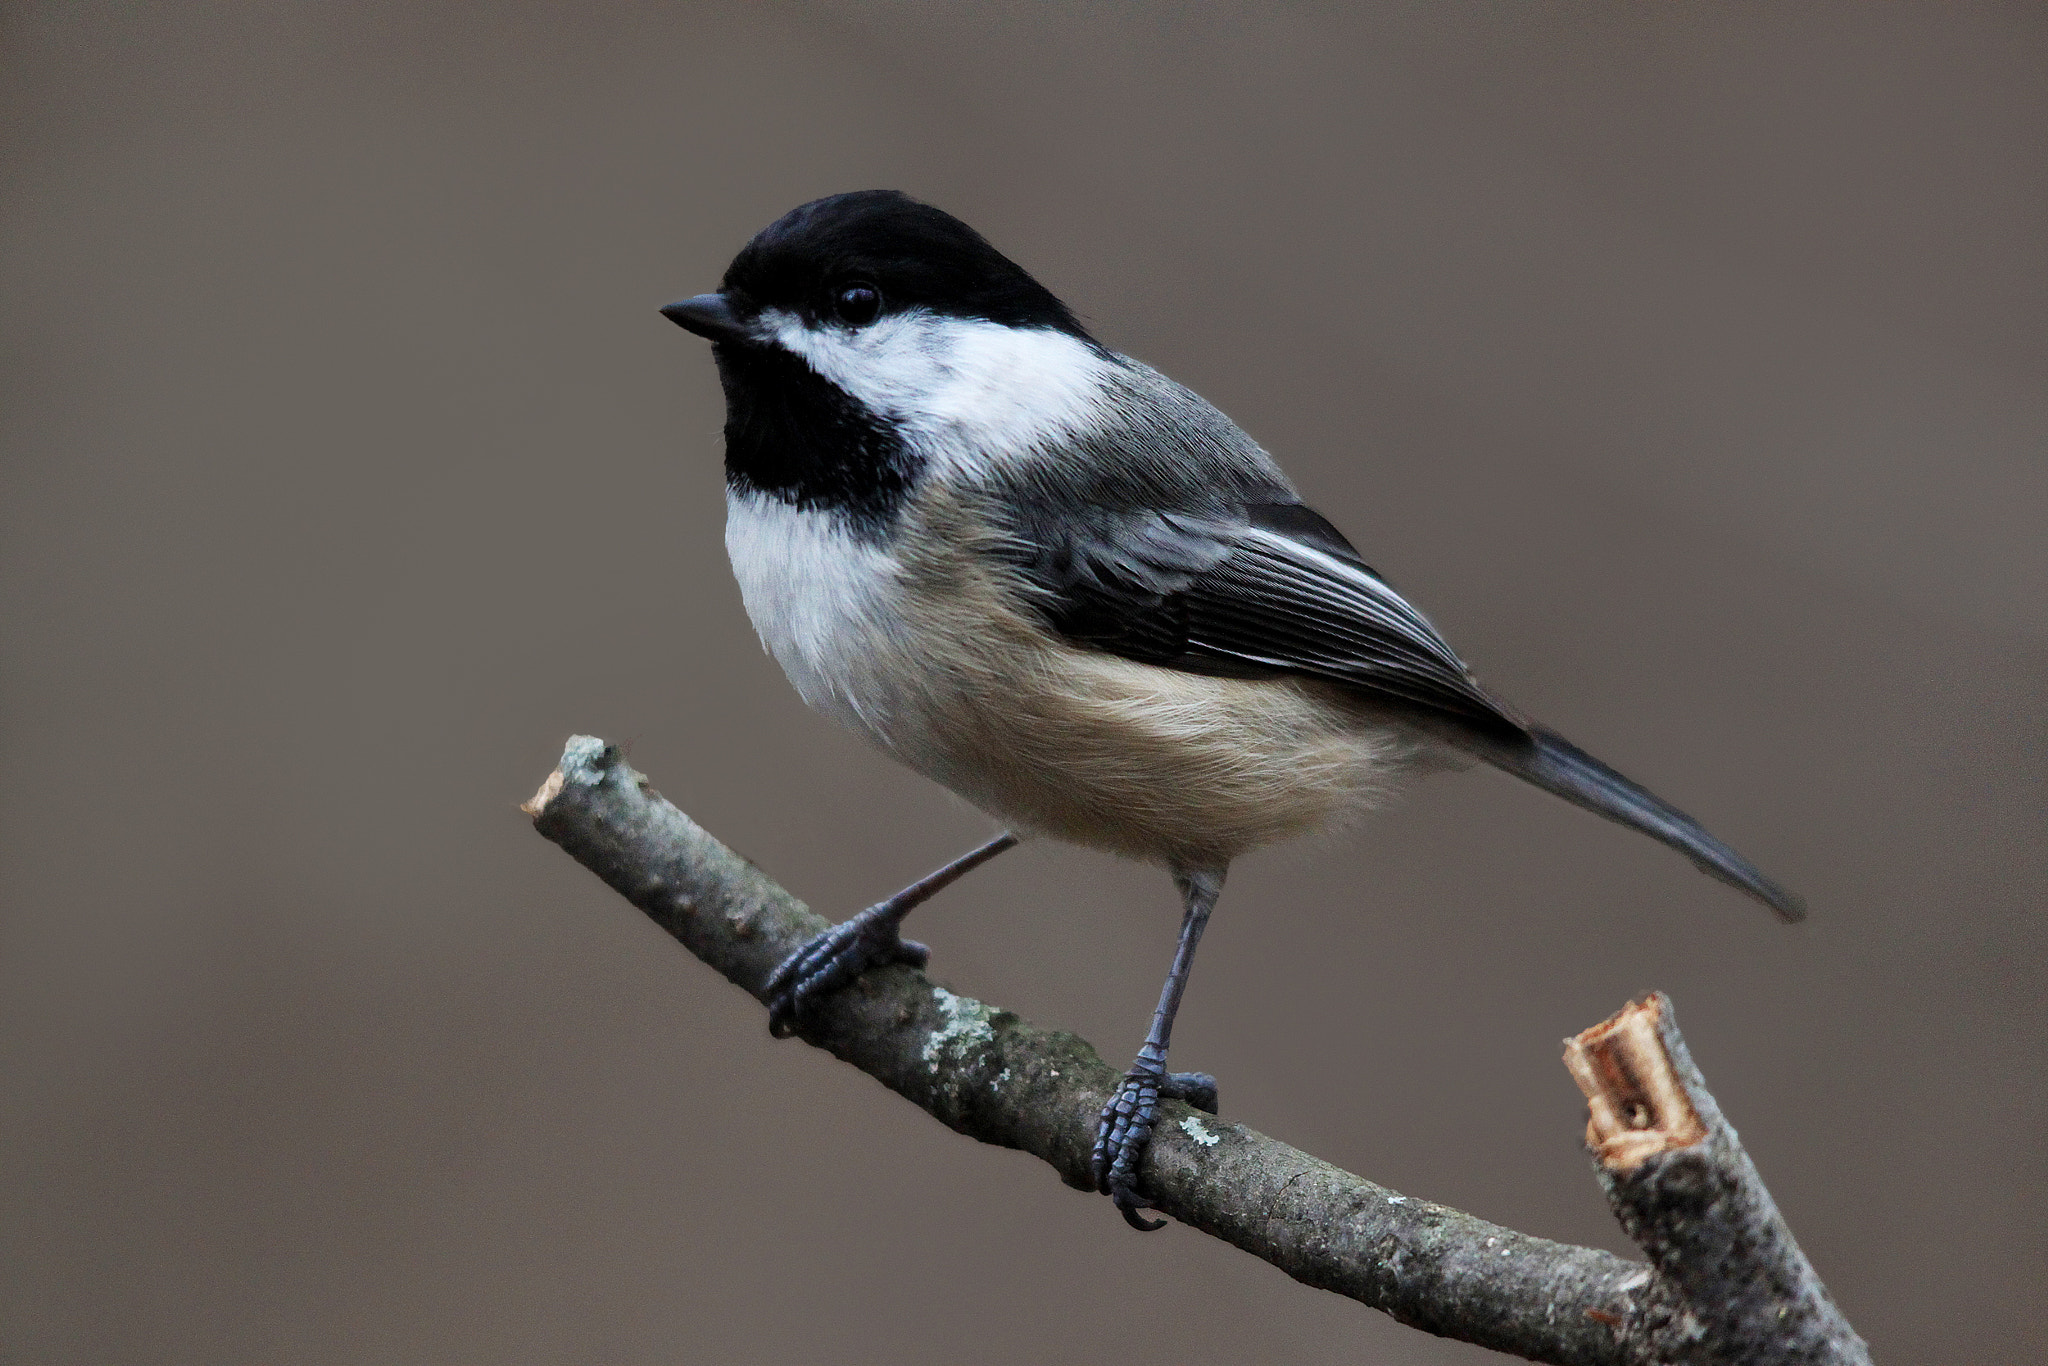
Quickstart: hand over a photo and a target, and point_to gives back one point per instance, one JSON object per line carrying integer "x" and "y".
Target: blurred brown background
{"x": 1684, "y": 361}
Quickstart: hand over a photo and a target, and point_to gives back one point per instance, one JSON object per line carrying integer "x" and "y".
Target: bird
{"x": 1069, "y": 589}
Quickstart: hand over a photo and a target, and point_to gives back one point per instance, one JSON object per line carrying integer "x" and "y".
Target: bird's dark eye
{"x": 857, "y": 304}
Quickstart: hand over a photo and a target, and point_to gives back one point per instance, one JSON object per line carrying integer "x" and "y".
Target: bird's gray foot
{"x": 1126, "y": 1128}
{"x": 834, "y": 959}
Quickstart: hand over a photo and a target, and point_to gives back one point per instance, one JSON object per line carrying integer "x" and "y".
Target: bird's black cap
{"x": 916, "y": 256}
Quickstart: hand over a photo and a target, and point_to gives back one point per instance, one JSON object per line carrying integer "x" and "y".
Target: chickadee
{"x": 1052, "y": 579}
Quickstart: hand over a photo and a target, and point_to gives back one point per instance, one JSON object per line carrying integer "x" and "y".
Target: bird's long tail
{"x": 1556, "y": 765}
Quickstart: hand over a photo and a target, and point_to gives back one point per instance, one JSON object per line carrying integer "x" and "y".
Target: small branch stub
{"x": 1732, "y": 1286}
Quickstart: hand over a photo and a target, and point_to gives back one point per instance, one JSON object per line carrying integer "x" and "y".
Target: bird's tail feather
{"x": 1556, "y": 765}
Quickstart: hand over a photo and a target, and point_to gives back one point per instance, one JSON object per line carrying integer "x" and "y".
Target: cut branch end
{"x": 1635, "y": 1106}
{"x": 549, "y": 790}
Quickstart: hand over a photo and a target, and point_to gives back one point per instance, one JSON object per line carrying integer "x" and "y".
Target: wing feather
{"x": 1268, "y": 589}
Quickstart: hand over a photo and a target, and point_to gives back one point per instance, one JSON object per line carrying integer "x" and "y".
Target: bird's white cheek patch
{"x": 956, "y": 388}
{"x": 1005, "y": 389}
{"x": 888, "y": 366}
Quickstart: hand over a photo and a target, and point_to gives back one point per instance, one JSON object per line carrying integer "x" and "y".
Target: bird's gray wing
{"x": 1272, "y": 589}
{"x": 1258, "y": 590}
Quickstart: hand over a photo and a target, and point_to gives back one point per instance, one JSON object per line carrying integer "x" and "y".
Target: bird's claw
{"x": 834, "y": 959}
{"x": 1125, "y": 1130}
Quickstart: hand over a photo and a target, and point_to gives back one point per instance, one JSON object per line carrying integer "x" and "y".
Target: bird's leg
{"x": 1126, "y": 1124}
{"x": 871, "y": 939}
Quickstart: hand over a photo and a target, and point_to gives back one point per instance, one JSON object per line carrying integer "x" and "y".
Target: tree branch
{"x": 991, "y": 1075}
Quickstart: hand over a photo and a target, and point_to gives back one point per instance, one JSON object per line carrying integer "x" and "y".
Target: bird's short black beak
{"x": 708, "y": 315}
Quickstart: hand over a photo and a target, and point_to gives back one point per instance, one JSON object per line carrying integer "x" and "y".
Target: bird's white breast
{"x": 826, "y": 605}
